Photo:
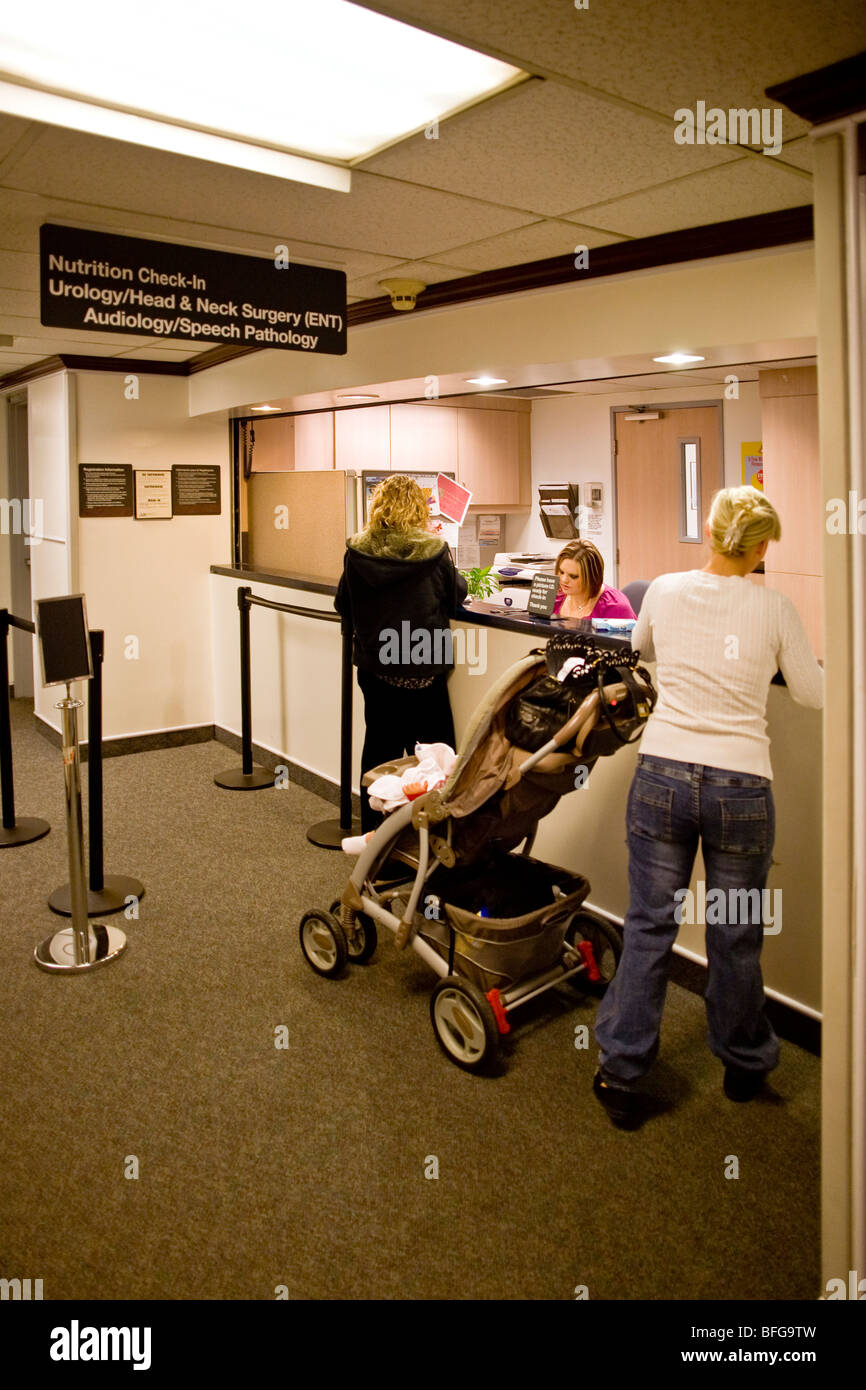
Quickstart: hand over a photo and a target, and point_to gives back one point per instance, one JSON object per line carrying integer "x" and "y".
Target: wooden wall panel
{"x": 314, "y": 442}
{"x": 274, "y": 447}
{"x": 806, "y": 592}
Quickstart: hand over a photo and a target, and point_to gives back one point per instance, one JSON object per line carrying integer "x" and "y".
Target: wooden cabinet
{"x": 423, "y": 439}
{"x": 493, "y": 457}
{"x": 362, "y": 438}
{"x": 487, "y": 448}
{"x": 314, "y": 442}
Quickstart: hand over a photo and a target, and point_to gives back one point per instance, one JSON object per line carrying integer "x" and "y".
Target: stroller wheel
{"x": 464, "y": 1023}
{"x": 323, "y": 943}
{"x": 606, "y": 943}
{"x": 366, "y": 937}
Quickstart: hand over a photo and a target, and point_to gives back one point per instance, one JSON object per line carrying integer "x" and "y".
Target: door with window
{"x": 667, "y": 470}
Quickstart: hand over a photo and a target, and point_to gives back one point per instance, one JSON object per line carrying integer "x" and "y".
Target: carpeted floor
{"x": 304, "y": 1167}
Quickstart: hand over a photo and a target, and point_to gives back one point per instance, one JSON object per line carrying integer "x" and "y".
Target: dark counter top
{"x": 518, "y": 620}
{"x": 494, "y": 615}
{"x": 284, "y": 578}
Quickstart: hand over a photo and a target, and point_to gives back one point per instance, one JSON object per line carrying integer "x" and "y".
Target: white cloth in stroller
{"x": 435, "y": 764}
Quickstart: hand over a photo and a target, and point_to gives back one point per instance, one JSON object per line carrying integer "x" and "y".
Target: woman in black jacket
{"x": 399, "y": 590}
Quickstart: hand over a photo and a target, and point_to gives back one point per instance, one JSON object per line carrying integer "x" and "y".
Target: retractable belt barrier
{"x": 24, "y": 831}
{"x": 115, "y": 891}
{"x": 326, "y": 834}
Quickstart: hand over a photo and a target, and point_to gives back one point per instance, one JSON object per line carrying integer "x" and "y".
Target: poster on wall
{"x": 152, "y": 494}
{"x": 752, "y": 456}
{"x": 104, "y": 489}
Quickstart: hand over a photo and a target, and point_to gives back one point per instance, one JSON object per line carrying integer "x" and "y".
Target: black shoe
{"x": 742, "y": 1085}
{"x": 624, "y": 1108}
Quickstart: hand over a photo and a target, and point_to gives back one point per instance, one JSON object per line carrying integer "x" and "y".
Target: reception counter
{"x": 296, "y": 719}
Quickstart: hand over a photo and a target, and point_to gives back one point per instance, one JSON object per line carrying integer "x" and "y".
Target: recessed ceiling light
{"x": 486, "y": 380}
{"x": 679, "y": 359}
{"x": 332, "y": 81}
{"x": 356, "y": 396}
{"x": 264, "y": 407}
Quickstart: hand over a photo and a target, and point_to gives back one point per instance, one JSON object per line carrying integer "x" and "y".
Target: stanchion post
{"x": 12, "y": 832}
{"x": 94, "y": 763}
{"x": 246, "y": 683}
{"x": 7, "y": 787}
{"x": 329, "y": 834}
{"x": 249, "y": 778}
{"x": 346, "y": 736}
{"x": 78, "y": 947}
{"x": 113, "y": 893}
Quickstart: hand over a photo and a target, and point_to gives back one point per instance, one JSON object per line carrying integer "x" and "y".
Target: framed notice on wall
{"x": 105, "y": 489}
{"x": 152, "y": 494}
{"x": 195, "y": 489}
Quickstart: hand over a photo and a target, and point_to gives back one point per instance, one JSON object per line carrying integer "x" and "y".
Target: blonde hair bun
{"x": 740, "y": 518}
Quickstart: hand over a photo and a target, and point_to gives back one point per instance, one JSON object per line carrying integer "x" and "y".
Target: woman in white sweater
{"x": 704, "y": 775}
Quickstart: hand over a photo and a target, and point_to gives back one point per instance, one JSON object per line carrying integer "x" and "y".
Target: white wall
{"x": 150, "y": 579}
{"x": 571, "y": 442}
{"x": 295, "y": 677}
{"x": 54, "y": 561}
{"x": 729, "y": 302}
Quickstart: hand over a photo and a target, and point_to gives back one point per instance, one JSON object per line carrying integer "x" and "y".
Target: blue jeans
{"x": 671, "y": 806}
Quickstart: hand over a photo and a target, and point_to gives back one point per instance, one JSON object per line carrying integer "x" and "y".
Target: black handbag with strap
{"x": 625, "y": 697}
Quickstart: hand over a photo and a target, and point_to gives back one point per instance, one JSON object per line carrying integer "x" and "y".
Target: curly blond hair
{"x": 740, "y": 518}
{"x": 398, "y": 504}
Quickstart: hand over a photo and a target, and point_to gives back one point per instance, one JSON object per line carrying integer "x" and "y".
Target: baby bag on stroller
{"x": 614, "y": 693}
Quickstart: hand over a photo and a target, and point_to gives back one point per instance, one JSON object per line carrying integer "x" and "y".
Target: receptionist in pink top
{"x": 582, "y": 590}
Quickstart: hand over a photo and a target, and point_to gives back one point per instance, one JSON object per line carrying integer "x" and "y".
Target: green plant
{"x": 480, "y": 583}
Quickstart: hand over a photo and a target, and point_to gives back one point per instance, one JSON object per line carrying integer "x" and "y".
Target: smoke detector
{"x": 403, "y": 293}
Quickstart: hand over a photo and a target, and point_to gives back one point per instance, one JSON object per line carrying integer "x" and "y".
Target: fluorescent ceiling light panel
{"x": 34, "y": 105}
{"x": 486, "y": 381}
{"x": 329, "y": 79}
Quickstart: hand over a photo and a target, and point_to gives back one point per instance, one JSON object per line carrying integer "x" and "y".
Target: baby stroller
{"x": 441, "y": 873}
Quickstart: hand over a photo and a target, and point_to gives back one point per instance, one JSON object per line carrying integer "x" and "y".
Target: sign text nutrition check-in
{"x": 97, "y": 282}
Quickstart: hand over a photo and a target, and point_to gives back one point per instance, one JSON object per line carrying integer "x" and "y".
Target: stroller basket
{"x": 495, "y": 951}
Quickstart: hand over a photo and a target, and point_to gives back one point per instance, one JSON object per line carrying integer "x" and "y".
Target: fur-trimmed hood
{"x": 387, "y": 544}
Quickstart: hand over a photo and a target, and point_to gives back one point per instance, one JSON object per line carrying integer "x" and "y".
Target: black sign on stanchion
{"x": 64, "y": 650}
{"x": 106, "y": 892}
{"x": 103, "y": 283}
{"x": 542, "y": 595}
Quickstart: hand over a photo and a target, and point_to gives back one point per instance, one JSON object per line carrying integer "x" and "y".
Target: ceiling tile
{"x": 381, "y": 215}
{"x": 19, "y": 270}
{"x": 660, "y": 56}
{"x": 11, "y": 130}
{"x": 799, "y": 152}
{"x": 535, "y": 242}
{"x": 744, "y": 189}
{"x": 19, "y": 303}
{"x": 546, "y": 148}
